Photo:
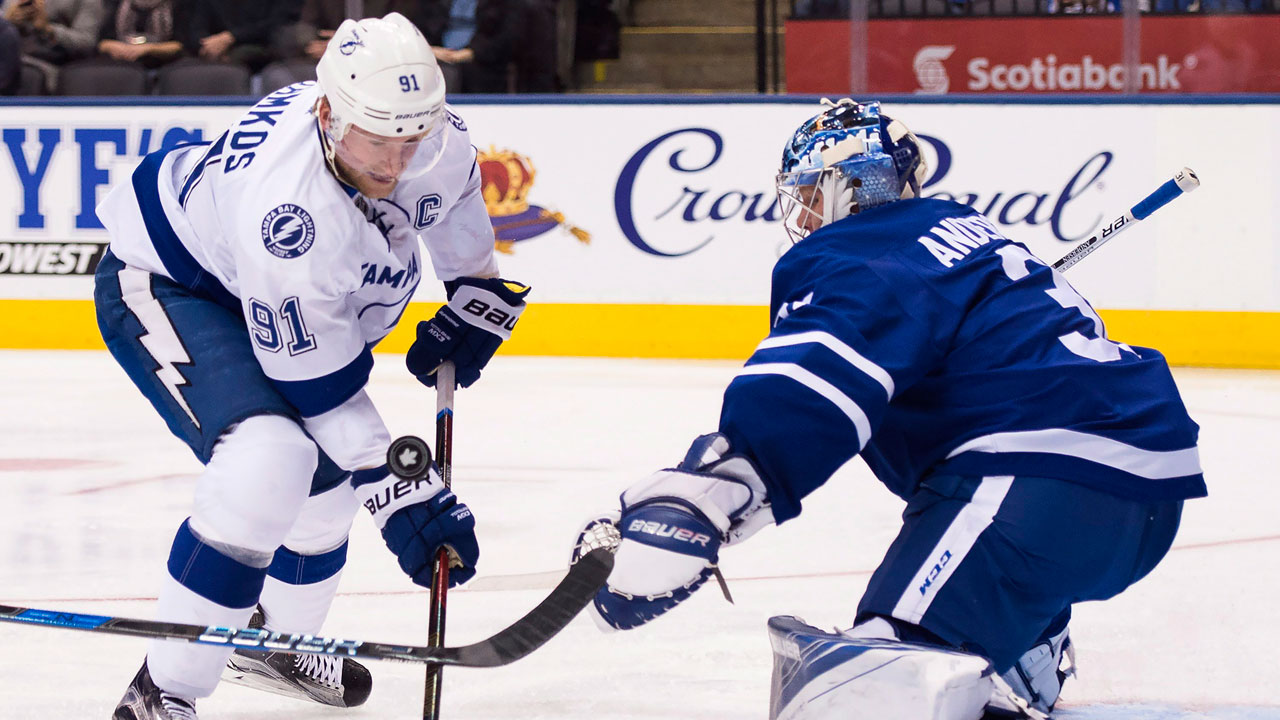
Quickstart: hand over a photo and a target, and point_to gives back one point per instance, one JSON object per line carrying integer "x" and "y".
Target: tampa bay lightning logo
{"x": 288, "y": 231}
{"x": 455, "y": 121}
{"x": 349, "y": 45}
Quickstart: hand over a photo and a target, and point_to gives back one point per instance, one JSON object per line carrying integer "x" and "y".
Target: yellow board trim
{"x": 1186, "y": 337}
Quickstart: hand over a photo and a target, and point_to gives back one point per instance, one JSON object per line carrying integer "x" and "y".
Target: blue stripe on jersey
{"x": 182, "y": 267}
{"x": 828, "y": 366}
{"x": 194, "y": 177}
{"x": 796, "y": 438}
{"x": 1150, "y": 464}
{"x": 320, "y": 395}
{"x": 829, "y": 392}
{"x": 834, "y": 344}
{"x": 403, "y": 302}
{"x": 297, "y": 569}
{"x": 1106, "y": 475}
{"x": 368, "y": 475}
{"x": 213, "y": 576}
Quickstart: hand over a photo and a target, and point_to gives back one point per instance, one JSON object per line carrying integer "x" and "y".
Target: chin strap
{"x": 328, "y": 144}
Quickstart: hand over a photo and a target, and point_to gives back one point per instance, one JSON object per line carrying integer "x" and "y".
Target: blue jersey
{"x": 919, "y": 336}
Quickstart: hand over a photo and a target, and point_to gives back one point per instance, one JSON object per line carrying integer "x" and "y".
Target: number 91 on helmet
{"x": 381, "y": 107}
{"x": 842, "y": 161}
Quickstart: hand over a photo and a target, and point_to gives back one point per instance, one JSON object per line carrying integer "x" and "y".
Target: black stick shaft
{"x": 434, "y": 682}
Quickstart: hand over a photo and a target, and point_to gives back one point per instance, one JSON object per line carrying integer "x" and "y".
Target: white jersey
{"x": 257, "y": 222}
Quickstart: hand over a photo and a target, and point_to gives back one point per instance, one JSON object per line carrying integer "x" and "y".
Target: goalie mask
{"x": 844, "y": 160}
{"x": 385, "y": 94}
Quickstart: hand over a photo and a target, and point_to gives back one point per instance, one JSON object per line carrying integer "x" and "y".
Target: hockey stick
{"x": 527, "y": 634}
{"x": 1183, "y": 182}
{"x": 434, "y": 682}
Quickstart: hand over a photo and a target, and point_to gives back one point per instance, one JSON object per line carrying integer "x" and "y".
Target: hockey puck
{"x": 409, "y": 457}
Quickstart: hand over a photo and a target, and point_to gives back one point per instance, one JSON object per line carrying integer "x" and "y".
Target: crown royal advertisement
{"x": 673, "y": 204}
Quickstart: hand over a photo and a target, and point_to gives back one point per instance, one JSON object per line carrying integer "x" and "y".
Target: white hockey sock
{"x": 298, "y": 608}
{"x": 247, "y": 500}
{"x": 187, "y": 669}
{"x": 304, "y": 574}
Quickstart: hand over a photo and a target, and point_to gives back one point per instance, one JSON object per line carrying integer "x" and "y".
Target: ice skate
{"x": 1035, "y": 681}
{"x": 328, "y": 680}
{"x": 144, "y": 701}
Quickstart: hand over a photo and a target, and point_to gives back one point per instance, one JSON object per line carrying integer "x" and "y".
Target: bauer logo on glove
{"x": 659, "y": 531}
{"x": 417, "y": 517}
{"x": 492, "y": 316}
{"x": 402, "y": 488}
{"x": 480, "y": 315}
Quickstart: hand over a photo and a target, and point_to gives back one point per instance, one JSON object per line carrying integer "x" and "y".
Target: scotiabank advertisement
{"x": 1217, "y": 54}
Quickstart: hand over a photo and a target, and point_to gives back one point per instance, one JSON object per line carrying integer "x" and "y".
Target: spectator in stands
{"x": 452, "y": 30}
{"x": 1084, "y": 7}
{"x": 483, "y": 39}
{"x": 599, "y": 28}
{"x": 238, "y": 31}
{"x": 320, "y": 18}
{"x": 536, "y": 53}
{"x": 476, "y": 41}
{"x": 54, "y": 32}
{"x": 142, "y": 31}
{"x": 309, "y": 36}
{"x": 1233, "y": 6}
{"x": 10, "y": 58}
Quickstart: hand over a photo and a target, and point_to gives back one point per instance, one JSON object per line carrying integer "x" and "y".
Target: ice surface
{"x": 94, "y": 487}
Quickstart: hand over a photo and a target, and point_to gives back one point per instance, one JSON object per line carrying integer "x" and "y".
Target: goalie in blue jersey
{"x": 1042, "y": 464}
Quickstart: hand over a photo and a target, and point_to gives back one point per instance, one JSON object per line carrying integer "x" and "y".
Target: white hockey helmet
{"x": 381, "y": 76}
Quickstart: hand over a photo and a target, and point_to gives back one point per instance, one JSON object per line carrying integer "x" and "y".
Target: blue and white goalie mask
{"x": 844, "y": 160}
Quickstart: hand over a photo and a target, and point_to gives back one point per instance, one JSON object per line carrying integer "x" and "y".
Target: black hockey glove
{"x": 480, "y": 315}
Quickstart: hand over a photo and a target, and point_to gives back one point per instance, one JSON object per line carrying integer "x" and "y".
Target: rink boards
{"x": 648, "y": 227}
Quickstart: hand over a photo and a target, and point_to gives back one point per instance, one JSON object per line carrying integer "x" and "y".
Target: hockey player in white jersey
{"x": 246, "y": 282}
{"x": 1041, "y": 463}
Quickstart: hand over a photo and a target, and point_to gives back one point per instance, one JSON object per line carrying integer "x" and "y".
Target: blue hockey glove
{"x": 672, "y": 526}
{"x": 468, "y": 330}
{"x": 417, "y": 518}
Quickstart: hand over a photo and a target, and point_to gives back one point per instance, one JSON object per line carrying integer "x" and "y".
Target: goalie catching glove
{"x": 480, "y": 315}
{"x": 417, "y": 517}
{"x": 672, "y": 526}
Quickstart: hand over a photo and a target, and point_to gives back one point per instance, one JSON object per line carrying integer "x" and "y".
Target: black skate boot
{"x": 328, "y": 680}
{"x": 144, "y": 701}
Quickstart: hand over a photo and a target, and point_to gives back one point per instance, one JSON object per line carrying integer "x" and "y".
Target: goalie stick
{"x": 527, "y": 634}
{"x": 1183, "y": 182}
